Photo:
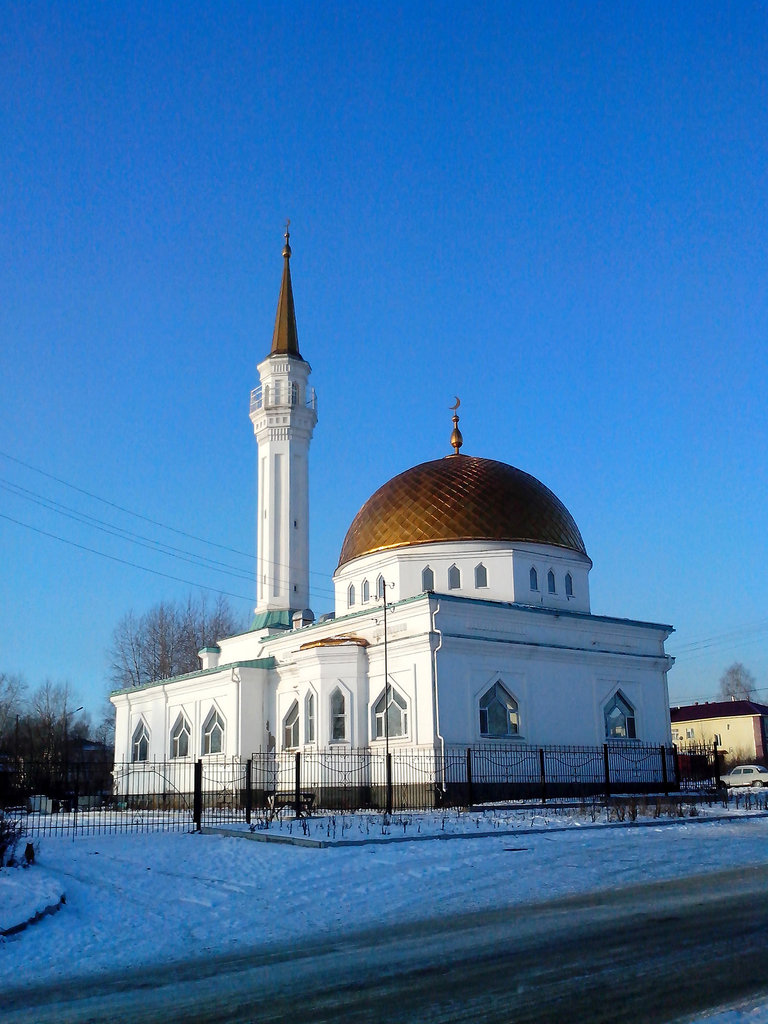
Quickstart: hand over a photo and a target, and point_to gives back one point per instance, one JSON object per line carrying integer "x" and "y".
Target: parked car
{"x": 746, "y": 775}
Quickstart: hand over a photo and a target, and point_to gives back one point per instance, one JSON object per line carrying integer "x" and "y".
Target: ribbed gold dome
{"x": 460, "y": 498}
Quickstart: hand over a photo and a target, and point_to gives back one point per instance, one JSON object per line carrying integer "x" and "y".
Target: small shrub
{"x": 11, "y": 831}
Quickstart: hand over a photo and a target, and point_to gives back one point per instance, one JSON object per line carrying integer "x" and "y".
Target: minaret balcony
{"x": 266, "y": 397}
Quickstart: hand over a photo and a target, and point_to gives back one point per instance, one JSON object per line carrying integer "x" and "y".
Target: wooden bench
{"x": 279, "y": 801}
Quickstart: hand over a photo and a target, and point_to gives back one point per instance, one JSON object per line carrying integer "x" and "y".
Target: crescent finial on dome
{"x": 456, "y": 439}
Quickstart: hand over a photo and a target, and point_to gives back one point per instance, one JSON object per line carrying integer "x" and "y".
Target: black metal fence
{"x": 50, "y": 798}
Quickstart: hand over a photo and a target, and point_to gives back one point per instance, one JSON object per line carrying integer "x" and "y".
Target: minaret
{"x": 284, "y": 413}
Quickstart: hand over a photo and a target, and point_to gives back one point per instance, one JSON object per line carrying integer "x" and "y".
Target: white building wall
{"x": 507, "y": 572}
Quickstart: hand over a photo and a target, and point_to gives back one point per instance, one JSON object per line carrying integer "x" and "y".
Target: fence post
{"x": 676, "y": 758}
{"x": 248, "y": 793}
{"x": 470, "y": 800}
{"x": 75, "y": 798}
{"x": 389, "y": 783}
{"x": 297, "y": 790}
{"x": 607, "y": 768}
{"x": 197, "y": 803}
{"x": 664, "y": 777}
{"x": 716, "y": 758}
{"x": 542, "y": 776}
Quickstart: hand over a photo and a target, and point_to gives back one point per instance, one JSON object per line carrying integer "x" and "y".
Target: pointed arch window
{"x": 427, "y": 579}
{"x": 213, "y": 733}
{"x": 395, "y": 706}
{"x": 481, "y": 576}
{"x": 351, "y": 595}
{"x": 454, "y": 578}
{"x": 291, "y": 727}
{"x": 338, "y": 716}
{"x": 310, "y": 718}
{"x": 365, "y": 591}
{"x": 568, "y": 585}
{"x": 619, "y": 718}
{"x": 140, "y": 743}
{"x": 380, "y": 587}
{"x": 498, "y": 713}
{"x": 534, "y": 578}
{"x": 551, "y": 582}
{"x": 180, "y": 736}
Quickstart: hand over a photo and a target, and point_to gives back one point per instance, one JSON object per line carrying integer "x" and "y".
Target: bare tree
{"x": 737, "y": 683}
{"x": 164, "y": 641}
{"x": 12, "y": 691}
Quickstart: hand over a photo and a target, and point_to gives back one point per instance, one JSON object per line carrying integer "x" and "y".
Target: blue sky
{"x": 555, "y": 211}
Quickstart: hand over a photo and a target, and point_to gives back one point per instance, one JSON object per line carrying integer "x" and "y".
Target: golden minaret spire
{"x": 285, "y": 340}
{"x": 456, "y": 439}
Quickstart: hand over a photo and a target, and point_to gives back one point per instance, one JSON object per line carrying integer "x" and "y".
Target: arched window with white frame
{"x": 338, "y": 716}
{"x": 365, "y": 591}
{"x": 309, "y": 708}
{"x": 568, "y": 585}
{"x": 454, "y": 578}
{"x": 619, "y": 718}
{"x": 481, "y": 577}
{"x": 213, "y": 733}
{"x": 499, "y": 714}
{"x": 140, "y": 742}
{"x": 551, "y": 588}
{"x": 291, "y": 727}
{"x": 180, "y": 737}
{"x": 534, "y": 578}
{"x": 427, "y": 579}
{"x": 380, "y": 587}
{"x": 390, "y": 713}
{"x": 351, "y": 595}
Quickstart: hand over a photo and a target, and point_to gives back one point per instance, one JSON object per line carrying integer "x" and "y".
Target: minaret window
{"x": 213, "y": 733}
{"x": 454, "y": 578}
{"x": 291, "y": 727}
{"x": 266, "y": 395}
{"x": 140, "y": 745}
{"x": 551, "y": 582}
{"x": 366, "y": 591}
{"x": 568, "y": 585}
{"x": 619, "y": 718}
{"x": 180, "y": 737}
{"x": 351, "y": 595}
{"x": 427, "y": 579}
{"x": 338, "y": 716}
{"x": 277, "y": 392}
{"x": 481, "y": 576}
{"x": 294, "y": 393}
{"x": 534, "y": 579}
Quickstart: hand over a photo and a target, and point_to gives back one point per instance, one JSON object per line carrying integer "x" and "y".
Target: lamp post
{"x": 388, "y": 764}
{"x": 67, "y": 716}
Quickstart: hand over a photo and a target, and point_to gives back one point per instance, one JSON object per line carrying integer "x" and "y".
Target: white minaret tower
{"x": 284, "y": 413}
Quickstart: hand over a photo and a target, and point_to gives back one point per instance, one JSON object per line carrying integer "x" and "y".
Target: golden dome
{"x": 460, "y": 497}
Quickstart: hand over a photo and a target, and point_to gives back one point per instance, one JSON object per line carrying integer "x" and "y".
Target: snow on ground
{"x": 145, "y": 898}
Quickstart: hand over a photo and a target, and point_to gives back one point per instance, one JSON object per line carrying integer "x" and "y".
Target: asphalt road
{"x": 656, "y": 952}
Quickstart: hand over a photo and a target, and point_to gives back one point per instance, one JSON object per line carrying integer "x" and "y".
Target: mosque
{"x": 462, "y": 615}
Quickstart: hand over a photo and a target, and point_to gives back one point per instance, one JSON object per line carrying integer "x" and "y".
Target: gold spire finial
{"x": 287, "y": 236}
{"x": 456, "y": 439}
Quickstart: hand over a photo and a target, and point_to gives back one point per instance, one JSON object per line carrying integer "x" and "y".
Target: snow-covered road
{"x": 135, "y": 901}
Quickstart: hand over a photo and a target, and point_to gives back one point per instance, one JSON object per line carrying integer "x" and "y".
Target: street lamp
{"x": 386, "y": 700}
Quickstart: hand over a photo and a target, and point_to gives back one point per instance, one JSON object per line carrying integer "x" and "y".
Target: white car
{"x": 746, "y": 775}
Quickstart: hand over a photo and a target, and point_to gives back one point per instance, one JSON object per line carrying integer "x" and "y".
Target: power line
{"x": 124, "y": 561}
{"x": 274, "y": 566}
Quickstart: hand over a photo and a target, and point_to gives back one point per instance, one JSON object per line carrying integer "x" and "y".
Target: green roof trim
{"x": 263, "y": 663}
{"x": 265, "y": 620}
